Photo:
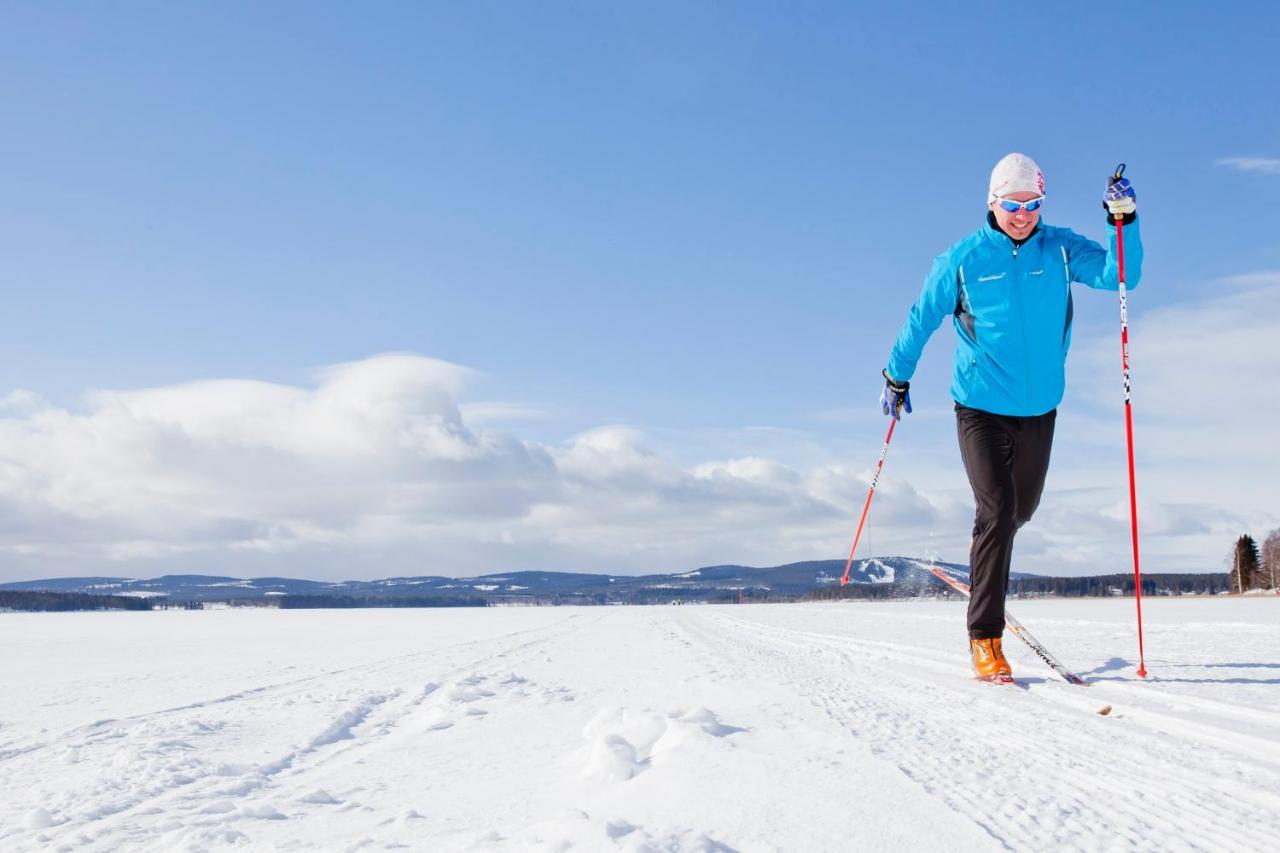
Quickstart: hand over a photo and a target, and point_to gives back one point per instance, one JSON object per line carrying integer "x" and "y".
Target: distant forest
{"x": 320, "y": 602}
{"x": 1087, "y": 587}
{"x": 1120, "y": 584}
{"x": 60, "y": 601}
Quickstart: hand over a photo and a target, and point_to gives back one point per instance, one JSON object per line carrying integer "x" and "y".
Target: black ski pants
{"x": 1006, "y": 459}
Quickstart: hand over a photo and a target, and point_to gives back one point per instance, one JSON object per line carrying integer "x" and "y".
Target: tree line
{"x": 325, "y": 602}
{"x": 46, "y": 602}
{"x": 1120, "y": 584}
{"x": 1067, "y": 587}
{"x": 43, "y": 601}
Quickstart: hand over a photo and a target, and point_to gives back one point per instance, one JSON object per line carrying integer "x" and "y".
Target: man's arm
{"x": 1092, "y": 265}
{"x": 937, "y": 302}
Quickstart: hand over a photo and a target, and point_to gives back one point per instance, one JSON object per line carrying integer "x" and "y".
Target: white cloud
{"x": 1261, "y": 165}
{"x": 492, "y": 412}
{"x": 375, "y": 470}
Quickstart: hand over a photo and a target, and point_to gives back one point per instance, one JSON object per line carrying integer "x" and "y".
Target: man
{"x": 1007, "y": 288}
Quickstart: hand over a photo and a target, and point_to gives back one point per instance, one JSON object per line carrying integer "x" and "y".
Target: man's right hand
{"x": 895, "y": 397}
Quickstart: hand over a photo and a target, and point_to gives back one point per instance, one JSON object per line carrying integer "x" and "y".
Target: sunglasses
{"x": 1014, "y": 206}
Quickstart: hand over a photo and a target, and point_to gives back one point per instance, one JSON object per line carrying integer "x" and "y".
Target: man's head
{"x": 1016, "y": 181}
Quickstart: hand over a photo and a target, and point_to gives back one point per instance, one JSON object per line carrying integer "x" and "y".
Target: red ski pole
{"x": 844, "y": 579}
{"x": 1128, "y": 427}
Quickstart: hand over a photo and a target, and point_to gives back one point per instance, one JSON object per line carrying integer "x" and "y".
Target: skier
{"x": 1007, "y": 288}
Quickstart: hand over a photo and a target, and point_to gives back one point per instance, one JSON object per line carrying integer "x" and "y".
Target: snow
{"x": 838, "y": 726}
{"x": 885, "y": 573}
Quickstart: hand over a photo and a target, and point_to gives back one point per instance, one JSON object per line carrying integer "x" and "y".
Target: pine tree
{"x": 1244, "y": 564}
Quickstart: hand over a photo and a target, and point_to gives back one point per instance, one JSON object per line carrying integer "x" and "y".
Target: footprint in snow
{"x": 613, "y": 758}
{"x": 623, "y": 743}
{"x": 469, "y": 691}
{"x": 620, "y": 742}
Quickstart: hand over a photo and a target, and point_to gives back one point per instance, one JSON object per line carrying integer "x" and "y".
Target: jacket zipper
{"x": 1022, "y": 329}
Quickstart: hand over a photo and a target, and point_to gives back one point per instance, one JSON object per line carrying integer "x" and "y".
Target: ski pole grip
{"x": 1117, "y": 176}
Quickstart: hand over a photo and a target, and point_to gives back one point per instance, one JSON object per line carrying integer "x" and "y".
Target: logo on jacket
{"x": 995, "y": 277}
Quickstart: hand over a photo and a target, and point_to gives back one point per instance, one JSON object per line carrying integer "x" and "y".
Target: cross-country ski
{"x": 1018, "y": 630}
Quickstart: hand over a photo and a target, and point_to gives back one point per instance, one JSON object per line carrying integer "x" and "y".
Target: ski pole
{"x": 1128, "y": 427}
{"x": 844, "y": 579}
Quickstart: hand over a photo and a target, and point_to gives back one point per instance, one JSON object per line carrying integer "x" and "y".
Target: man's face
{"x": 1020, "y": 223}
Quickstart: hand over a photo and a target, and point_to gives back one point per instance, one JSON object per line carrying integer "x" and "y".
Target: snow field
{"x": 848, "y": 726}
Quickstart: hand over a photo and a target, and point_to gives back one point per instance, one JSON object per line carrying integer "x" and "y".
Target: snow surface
{"x": 842, "y": 726}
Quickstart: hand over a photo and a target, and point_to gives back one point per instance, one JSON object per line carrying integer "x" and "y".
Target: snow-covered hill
{"x": 707, "y": 582}
{"x": 840, "y": 726}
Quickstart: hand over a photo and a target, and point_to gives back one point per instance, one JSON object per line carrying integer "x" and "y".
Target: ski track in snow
{"x": 765, "y": 727}
{"x": 1027, "y": 785}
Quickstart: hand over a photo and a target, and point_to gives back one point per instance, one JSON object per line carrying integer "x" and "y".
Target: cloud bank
{"x": 375, "y": 470}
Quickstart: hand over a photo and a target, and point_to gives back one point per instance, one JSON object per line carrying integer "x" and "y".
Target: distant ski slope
{"x": 796, "y": 727}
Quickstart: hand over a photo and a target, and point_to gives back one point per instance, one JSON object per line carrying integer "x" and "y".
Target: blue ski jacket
{"x": 1011, "y": 307}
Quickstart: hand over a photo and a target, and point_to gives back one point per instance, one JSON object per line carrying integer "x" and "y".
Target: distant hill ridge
{"x": 786, "y": 580}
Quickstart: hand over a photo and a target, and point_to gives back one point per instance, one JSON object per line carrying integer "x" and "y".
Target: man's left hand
{"x": 1119, "y": 198}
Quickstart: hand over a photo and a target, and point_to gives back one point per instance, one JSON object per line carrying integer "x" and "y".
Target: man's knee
{"x": 1023, "y": 514}
{"x": 1000, "y": 518}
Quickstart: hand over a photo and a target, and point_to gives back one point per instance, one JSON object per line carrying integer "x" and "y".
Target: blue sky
{"x": 695, "y": 227}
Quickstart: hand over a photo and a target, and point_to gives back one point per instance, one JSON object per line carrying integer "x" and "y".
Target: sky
{"x": 349, "y": 291}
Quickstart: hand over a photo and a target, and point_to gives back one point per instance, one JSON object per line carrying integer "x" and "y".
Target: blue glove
{"x": 1119, "y": 199}
{"x": 895, "y": 397}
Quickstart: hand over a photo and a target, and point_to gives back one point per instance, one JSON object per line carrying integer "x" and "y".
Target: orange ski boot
{"x": 989, "y": 662}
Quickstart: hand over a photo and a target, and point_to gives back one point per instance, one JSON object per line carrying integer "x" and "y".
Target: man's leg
{"x": 987, "y": 446}
{"x": 1033, "y": 445}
